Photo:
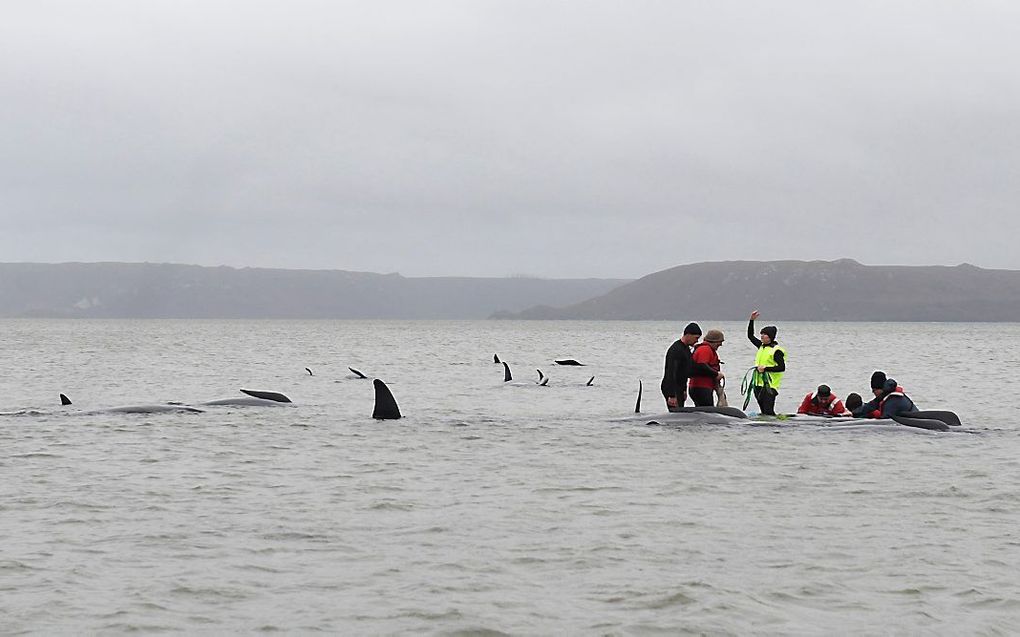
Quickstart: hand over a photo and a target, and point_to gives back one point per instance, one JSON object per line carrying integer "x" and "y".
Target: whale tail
{"x": 266, "y": 395}
{"x": 357, "y": 373}
{"x": 590, "y": 382}
{"x": 385, "y": 405}
{"x": 637, "y": 406}
{"x": 64, "y": 400}
{"x": 495, "y": 359}
{"x": 507, "y": 376}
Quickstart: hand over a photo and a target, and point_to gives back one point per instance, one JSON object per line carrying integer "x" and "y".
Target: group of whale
{"x": 385, "y": 407}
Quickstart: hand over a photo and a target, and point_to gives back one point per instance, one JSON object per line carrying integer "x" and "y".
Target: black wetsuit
{"x": 893, "y": 406}
{"x": 766, "y": 396}
{"x": 676, "y": 373}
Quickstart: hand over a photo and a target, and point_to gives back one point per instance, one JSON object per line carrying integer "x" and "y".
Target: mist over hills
{"x": 841, "y": 290}
{"x": 147, "y": 290}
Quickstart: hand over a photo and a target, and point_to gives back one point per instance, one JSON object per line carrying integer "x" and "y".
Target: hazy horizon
{"x": 555, "y": 140}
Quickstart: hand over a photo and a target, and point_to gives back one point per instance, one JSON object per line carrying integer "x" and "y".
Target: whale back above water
{"x": 267, "y": 395}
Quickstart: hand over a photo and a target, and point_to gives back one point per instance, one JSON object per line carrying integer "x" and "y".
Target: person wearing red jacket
{"x": 705, "y": 370}
{"x": 822, "y": 403}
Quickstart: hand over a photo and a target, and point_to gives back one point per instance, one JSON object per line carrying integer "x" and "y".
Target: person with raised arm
{"x": 769, "y": 366}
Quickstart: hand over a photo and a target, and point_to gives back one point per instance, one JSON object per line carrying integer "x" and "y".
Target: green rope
{"x": 753, "y": 378}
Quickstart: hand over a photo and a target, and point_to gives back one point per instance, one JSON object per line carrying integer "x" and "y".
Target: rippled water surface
{"x": 491, "y": 506}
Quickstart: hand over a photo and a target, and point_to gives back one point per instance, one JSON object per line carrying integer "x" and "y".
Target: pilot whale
{"x": 385, "y": 405}
{"x": 138, "y": 409}
{"x": 254, "y": 398}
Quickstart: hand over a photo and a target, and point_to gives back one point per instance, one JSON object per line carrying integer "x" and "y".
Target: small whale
{"x": 266, "y": 395}
{"x": 309, "y": 372}
{"x": 357, "y": 373}
{"x": 590, "y": 382}
{"x": 568, "y": 361}
{"x": 385, "y": 405}
{"x": 495, "y": 359}
{"x": 507, "y": 376}
{"x": 139, "y": 409}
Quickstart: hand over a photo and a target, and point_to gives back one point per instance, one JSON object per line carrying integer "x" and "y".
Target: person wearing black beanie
{"x": 877, "y": 382}
{"x": 769, "y": 363}
{"x": 678, "y": 368}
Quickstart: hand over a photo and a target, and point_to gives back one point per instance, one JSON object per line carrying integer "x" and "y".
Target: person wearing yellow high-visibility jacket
{"x": 769, "y": 363}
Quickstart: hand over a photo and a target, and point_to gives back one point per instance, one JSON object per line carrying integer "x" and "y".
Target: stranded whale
{"x": 385, "y": 405}
{"x": 138, "y": 409}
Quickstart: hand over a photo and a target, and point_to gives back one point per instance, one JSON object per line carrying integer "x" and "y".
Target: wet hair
{"x": 853, "y": 401}
{"x": 878, "y": 380}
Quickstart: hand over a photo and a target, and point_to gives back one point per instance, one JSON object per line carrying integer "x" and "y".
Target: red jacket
{"x": 704, "y": 353}
{"x": 820, "y": 406}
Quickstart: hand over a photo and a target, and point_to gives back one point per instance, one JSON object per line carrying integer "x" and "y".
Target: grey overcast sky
{"x": 555, "y": 139}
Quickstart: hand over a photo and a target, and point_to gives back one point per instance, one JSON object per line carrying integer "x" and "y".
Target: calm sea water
{"x": 492, "y": 507}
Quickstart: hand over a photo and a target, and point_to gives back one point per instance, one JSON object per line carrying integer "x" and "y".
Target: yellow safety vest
{"x": 767, "y": 356}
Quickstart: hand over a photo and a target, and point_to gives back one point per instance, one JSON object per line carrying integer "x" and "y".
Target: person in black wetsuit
{"x": 889, "y": 401}
{"x": 678, "y": 368}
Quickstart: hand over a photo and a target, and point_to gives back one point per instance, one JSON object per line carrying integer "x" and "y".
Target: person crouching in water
{"x": 705, "y": 371}
{"x": 822, "y": 403}
{"x": 678, "y": 368}
{"x": 889, "y": 401}
{"x": 770, "y": 364}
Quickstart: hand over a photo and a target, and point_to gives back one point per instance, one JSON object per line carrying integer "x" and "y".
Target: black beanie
{"x": 824, "y": 390}
{"x": 877, "y": 380}
{"x": 693, "y": 328}
{"x": 890, "y": 386}
{"x": 770, "y": 330}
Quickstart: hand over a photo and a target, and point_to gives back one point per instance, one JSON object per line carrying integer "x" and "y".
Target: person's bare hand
{"x": 754, "y": 315}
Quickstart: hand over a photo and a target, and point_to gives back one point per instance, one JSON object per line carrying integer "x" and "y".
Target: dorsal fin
{"x": 545, "y": 382}
{"x": 309, "y": 372}
{"x": 64, "y": 400}
{"x": 357, "y": 373}
{"x": 266, "y": 395}
{"x": 507, "y": 376}
{"x": 540, "y": 375}
{"x": 590, "y": 381}
{"x": 385, "y": 405}
{"x": 637, "y": 407}
{"x": 568, "y": 361}
{"x": 495, "y": 359}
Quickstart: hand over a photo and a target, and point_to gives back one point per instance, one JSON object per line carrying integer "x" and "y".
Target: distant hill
{"x": 146, "y": 290}
{"x": 805, "y": 290}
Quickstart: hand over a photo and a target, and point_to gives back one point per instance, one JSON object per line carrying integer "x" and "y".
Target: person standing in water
{"x": 705, "y": 371}
{"x": 769, "y": 363}
{"x": 678, "y": 368}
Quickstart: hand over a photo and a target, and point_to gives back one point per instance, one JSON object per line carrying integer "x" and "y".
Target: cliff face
{"x": 144, "y": 290}
{"x": 806, "y": 290}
